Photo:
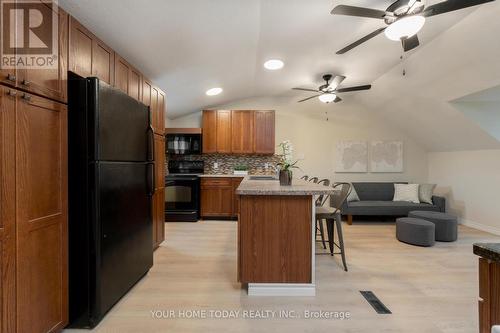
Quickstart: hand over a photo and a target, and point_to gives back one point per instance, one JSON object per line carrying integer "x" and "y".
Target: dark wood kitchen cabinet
{"x": 127, "y": 78}
{"x": 33, "y": 203}
{"x": 238, "y": 132}
{"x": 47, "y": 82}
{"x": 88, "y": 55}
{"x": 242, "y": 132}
{"x": 7, "y": 210}
{"x": 264, "y": 135}
{"x": 158, "y": 200}
{"x": 216, "y": 197}
{"x": 223, "y": 131}
{"x": 209, "y": 131}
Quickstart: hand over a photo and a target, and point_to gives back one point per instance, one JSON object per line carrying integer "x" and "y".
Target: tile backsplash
{"x": 226, "y": 163}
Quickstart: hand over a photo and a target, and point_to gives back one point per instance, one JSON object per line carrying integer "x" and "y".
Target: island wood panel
{"x": 7, "y": 211}
{"x": 209, "y": 130}
{"x": 489, "y": 294}
{"x": 51, "y": 83}
{"x": 223, "y": 131}
{"x": 242, "y": 132}
{"x": 89, "y": 56}
{"x": 41, "y": 215}
{"x": 275, "y": 240}
{"x": 264, "y": 138}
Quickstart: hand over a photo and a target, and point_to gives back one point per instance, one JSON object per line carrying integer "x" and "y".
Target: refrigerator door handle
{"x": 151, "y": 178}
{"x": 151, "y": 144}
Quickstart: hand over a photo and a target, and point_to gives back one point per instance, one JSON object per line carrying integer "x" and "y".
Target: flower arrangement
{"x": 286, "y": 163}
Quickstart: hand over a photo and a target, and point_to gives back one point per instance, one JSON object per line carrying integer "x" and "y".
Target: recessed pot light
{"x": 214, "y": 91}
{"x": 274, "y": 64}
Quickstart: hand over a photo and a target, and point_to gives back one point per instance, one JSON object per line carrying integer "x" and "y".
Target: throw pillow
{"x": 406, "y": 192}
{"x": 425, "y": 193}
{"x": 353, "y": 196}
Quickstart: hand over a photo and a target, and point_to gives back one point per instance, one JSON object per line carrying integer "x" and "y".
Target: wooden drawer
{"x": 216, "y": 181}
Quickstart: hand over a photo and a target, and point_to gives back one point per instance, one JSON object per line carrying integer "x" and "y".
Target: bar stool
{"x": 320, "y": 201}
{"x": 305, "y": 177}
{"x": 314, "y": 180}
{"x": 333, "y": 218}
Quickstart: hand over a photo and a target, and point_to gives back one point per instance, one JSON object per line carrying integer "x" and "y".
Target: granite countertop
{"x": 206, "y": 175}
{"x": 273, "y": 187}
{"x": 489, "y": 251}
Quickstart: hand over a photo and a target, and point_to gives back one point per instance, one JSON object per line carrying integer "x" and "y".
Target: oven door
{"x": 182, "y": 198}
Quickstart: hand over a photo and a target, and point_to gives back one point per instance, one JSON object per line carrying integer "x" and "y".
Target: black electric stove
{"x": 182, "y": 191}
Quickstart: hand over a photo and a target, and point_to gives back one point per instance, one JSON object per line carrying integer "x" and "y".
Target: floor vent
{"x": 375, "y": 302}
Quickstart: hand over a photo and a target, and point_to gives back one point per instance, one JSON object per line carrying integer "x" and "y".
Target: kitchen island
{"x": 276, "y": 237}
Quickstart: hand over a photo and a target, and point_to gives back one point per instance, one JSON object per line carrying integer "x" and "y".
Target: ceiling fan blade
{"x": 306, "y": 99}
{"x": 410, "y": 43}
{"x": 358, "y": 88}
{"x": 304, "y": 89}
{"x": 361, "y": 41}
{"x": 451, "y": 5}
{"x": 358, "y": 11}
{"x": 411, "y": 3}
{"x": 337, "y": 80}
{"x": 338, "y": 99}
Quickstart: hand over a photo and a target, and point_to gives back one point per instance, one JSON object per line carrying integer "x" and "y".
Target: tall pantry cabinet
{"x": 33, "y": 175}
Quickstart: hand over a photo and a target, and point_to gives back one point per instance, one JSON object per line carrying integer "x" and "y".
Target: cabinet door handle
{"x": 25, "y": 83}
{"x": 11, "y": 77}
{"x": 11, "y": 93}
{"x": 26, "y": 97}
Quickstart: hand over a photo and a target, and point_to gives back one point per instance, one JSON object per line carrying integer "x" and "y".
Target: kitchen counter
{"x": 218, "y": 175}
{"x": 273, "y": 187}
{"x": 276, "y": 231}
{"x": 490, "y": 251}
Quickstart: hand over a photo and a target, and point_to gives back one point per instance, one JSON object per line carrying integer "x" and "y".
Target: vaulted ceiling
{"x": 187, "y": 47}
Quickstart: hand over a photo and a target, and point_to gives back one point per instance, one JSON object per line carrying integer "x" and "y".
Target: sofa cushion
{"x": 375, "y": 191}
{"x": 387, "y": 208}
{"x": 406, "y": 192}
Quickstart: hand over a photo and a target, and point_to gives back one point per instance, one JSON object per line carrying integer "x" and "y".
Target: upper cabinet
{"x": 242, "y": 132}
{"x": 88, "y": 55}
{"x": 209, "y": 131}
{"x": 238, "y": 132}
{"x": 223, "y": 133}
{"x": 264, "y": 132}
{"x": 127, "y": 78}
{"x": 50, "y": 82}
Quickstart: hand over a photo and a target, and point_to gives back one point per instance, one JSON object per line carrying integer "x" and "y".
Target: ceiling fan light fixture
{"x": 274, "y": 64}
{"x": 214, "y": 91}
{"x": 405, "y": 27}
{"x": 327, "y": 98}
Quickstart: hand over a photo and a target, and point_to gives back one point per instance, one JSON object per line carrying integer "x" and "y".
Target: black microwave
{"x": 183, "y": 144}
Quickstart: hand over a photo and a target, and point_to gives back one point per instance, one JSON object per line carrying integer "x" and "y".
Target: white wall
{"x": 470, "y": 180}
{"x": 315, "y": 139}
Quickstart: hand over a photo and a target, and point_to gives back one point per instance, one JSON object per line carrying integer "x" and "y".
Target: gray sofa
{"x": 376, "y": 200}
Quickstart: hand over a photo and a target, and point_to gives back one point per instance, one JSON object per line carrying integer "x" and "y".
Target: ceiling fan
{"x": 327, "y": 92}
{"x": 404, "y": 19}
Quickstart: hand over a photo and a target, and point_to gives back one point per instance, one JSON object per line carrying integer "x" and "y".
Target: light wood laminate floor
{"x": 427, "y": 289}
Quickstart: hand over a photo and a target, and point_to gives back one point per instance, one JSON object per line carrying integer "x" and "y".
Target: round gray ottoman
{"x": 415, "y": 231}
{"x": 446, "y": 225}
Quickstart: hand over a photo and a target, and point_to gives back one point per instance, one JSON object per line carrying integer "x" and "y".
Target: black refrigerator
{"x": 111, "y": 182}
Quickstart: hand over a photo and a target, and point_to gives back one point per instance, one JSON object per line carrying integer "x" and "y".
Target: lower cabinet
{"x": 33, "y": 204}
{"x": 158, "y": 217}
{"x": 218, "y": 197}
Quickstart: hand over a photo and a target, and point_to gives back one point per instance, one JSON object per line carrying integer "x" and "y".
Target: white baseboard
{"x": 281, "y": 289}
{"x": 479, "y": 226}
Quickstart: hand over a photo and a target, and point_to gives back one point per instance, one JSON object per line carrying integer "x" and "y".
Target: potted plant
{"x": 241, "y": 169}
{"x": 286, "y": 163}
